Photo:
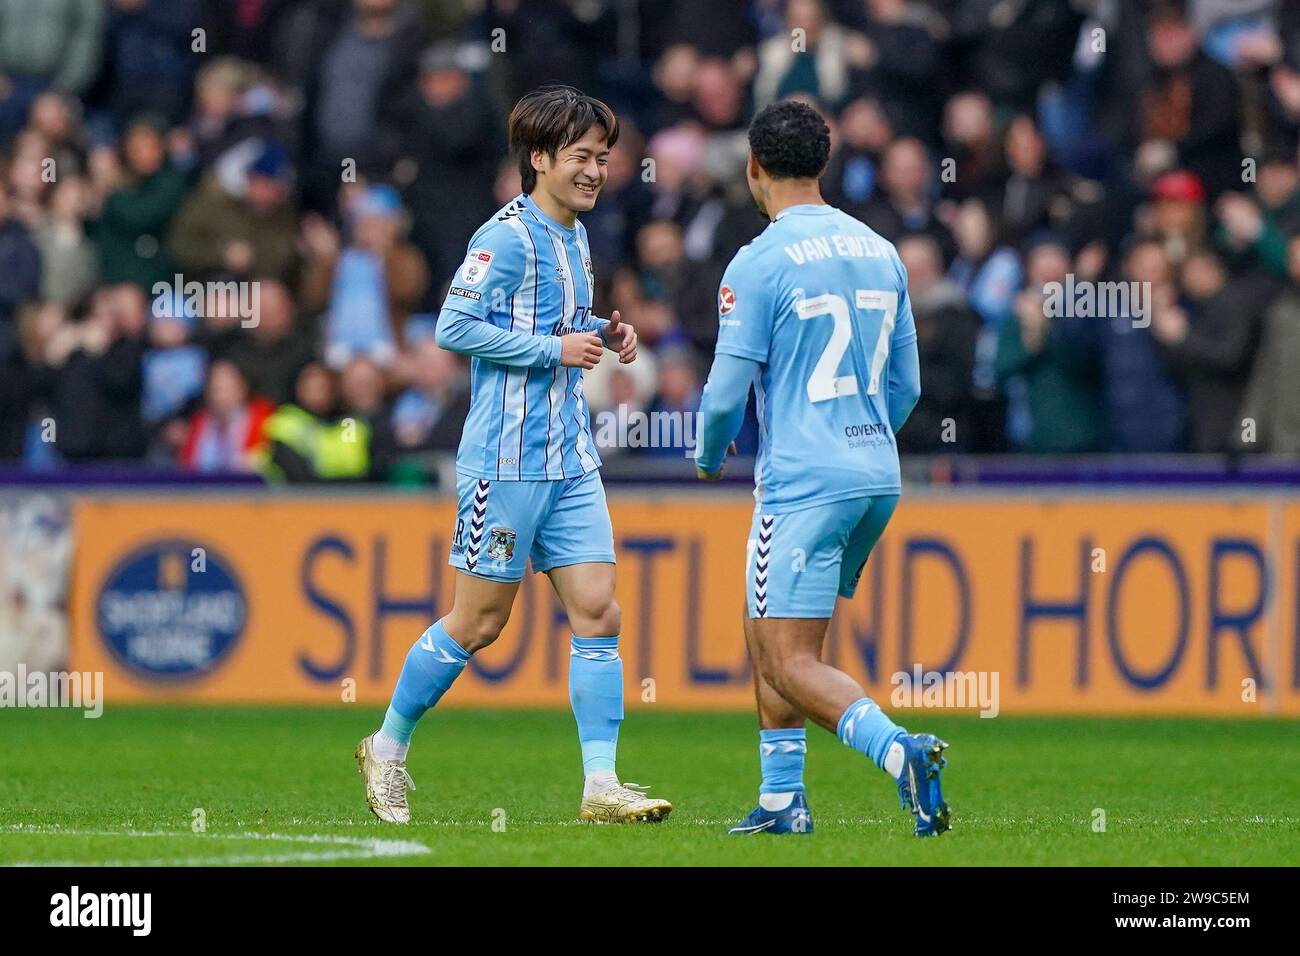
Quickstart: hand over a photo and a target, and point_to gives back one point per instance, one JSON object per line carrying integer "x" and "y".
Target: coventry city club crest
{"x": 501, "y": 544}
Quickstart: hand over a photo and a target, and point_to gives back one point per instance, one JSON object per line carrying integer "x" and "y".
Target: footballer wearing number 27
{"x": 814, "y": 315}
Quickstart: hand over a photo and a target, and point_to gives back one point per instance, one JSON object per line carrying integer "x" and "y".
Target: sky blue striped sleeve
{"x": 492, "y": 272}
{"x": 459, "y": 332}
{"x": 476, "y": 316}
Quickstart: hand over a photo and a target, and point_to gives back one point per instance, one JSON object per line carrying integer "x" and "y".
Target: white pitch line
{"x": 349, "y": 848}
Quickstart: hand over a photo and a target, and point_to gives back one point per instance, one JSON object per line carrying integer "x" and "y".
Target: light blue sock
{"x": 432, "y": 664}
{"x": 596, "y": 692}
{"x": 781, "y": 754}
{"x": 396, "y": 727}
{"x": 866, "y": 729}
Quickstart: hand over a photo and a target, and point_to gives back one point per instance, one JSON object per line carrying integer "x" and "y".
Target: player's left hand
{"x": 703, "y": 475}
{"x": 621, "y": 337}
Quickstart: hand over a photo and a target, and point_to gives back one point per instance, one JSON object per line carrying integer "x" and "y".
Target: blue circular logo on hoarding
{"x": 172, "y": 610}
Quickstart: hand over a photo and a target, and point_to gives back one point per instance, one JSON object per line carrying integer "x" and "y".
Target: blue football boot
{"x": 796, "y": 818}
{"x": 918, "y": 785}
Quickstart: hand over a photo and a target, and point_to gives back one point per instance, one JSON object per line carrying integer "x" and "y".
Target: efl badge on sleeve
{"x": 476, "y": 267}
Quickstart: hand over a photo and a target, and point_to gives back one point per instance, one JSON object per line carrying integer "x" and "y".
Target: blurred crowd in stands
{"x": 337, "y": 155}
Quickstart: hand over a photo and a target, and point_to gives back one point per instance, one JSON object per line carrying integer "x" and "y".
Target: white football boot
{"x": 623, "y": 803}
{"x": 386, "y": 783}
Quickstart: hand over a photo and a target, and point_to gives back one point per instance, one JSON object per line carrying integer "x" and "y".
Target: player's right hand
{"x": 703, "y": 475}
{"x": 580, "y": 350}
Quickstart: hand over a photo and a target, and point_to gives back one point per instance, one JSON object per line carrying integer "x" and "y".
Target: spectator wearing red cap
{"x": 1178, "y": 215}
{"x": 1180, "y": 185}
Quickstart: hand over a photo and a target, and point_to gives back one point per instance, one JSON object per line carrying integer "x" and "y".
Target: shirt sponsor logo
{"x": 576, "y": 323}
{"x": 867, "y": 435}
{"x": 866, "y": 430}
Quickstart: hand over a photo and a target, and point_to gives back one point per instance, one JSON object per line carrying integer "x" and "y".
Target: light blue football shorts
{"x": 796, "y": 563}
{"x": 500, "y": 525}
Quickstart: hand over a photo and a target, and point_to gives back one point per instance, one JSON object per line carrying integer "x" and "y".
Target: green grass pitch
{"x": 279, "y": 785}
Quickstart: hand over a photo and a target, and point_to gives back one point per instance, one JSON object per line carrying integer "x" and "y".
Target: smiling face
{"x": 574, "y": 178}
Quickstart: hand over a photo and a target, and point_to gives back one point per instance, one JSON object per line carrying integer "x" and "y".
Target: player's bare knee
{"x": 778, "y": 665}
{"x": 612, "y": 619}
{"x": 600, "y": 617}
{"x": 489, "y": 624}
{"x": 776, "y": 675}
{"x": 477, "y": 630}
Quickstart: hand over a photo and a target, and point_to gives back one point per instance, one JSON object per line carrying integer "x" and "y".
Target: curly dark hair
{"x": 790, "y": 140}
{"x": 550, "y": 119}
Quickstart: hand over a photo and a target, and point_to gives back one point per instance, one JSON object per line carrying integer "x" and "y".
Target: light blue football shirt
{"x": 527, "y": 273}
{"x": 819, "y": 300}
